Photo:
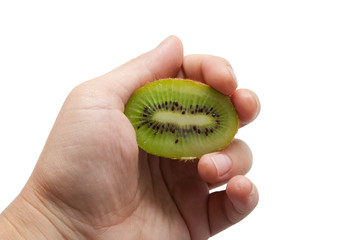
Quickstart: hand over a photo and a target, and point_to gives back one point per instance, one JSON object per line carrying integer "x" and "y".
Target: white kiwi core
{"x": 182, "y": 120}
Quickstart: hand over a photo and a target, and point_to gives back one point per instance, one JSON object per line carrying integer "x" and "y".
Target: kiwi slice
{"x": 181, "y": 119}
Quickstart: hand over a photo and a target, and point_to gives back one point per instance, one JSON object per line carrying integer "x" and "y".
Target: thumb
{"x": 163, "y": 61}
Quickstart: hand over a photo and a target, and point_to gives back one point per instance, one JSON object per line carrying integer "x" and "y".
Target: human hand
{"x": 92, "y": 182}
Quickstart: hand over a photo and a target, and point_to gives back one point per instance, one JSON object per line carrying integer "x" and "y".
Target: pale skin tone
{"x": 92, "y": 182}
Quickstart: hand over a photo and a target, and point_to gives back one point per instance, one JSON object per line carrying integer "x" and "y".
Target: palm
{"x": 114, "y": 186}
{"x": 159, "y": 195}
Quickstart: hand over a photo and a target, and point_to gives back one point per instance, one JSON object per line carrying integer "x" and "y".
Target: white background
{"x": 301, "y": 57}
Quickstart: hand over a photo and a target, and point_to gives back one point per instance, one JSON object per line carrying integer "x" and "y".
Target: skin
{"x": 92, "y": 182}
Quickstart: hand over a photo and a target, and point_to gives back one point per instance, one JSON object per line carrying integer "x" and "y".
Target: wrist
{"x": 29, "y": 217}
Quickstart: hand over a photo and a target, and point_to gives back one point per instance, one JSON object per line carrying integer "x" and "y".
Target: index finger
{"x": 214, "y": 71}
{"x": 218, "y": 73}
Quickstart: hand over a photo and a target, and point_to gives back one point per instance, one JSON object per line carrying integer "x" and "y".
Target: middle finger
{"x": 217, "y": 168}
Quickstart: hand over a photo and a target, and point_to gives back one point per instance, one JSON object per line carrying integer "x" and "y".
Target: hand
{"x": 92, "y": 181}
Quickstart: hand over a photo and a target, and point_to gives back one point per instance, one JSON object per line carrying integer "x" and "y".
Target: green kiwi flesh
{"x": 181, "y": 119}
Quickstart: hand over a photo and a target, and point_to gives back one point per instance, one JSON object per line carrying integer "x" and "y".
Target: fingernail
{"x": 165, "y": 41}
{"x": 231, "y": 71}
{"x": 222, "y": 163}
{"x": 252, "y": 199}
{"x": 258, "y": 106}
{"x": 252, "y": 190}
{"x": 246, "y": 203}
{"x": 252, "y": 101}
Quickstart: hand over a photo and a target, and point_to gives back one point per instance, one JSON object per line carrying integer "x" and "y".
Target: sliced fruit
{"x": 181, "y": 119}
